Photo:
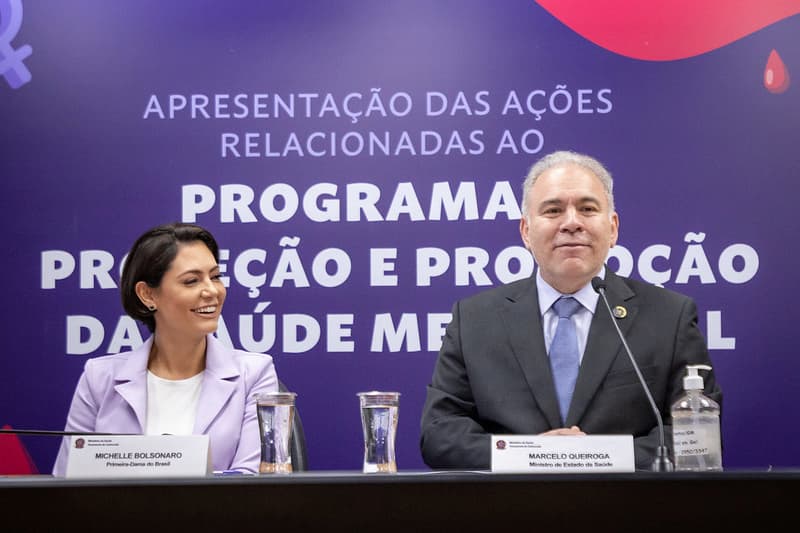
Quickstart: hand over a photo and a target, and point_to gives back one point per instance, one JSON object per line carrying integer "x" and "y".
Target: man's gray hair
{"x": 563, "y": 158}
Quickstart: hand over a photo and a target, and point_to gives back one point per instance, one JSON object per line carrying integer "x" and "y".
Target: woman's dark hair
{"x": 150, "y": 257}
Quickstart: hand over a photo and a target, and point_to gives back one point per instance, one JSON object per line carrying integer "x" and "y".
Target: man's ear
{"x": 523, "y": 231}
{"x": 614, "y": 229}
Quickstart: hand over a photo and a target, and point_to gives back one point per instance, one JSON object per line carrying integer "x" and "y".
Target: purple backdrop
{"x": 143, "y": 112}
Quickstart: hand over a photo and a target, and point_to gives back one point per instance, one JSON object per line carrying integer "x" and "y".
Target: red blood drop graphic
{"x": 776, "y": 75}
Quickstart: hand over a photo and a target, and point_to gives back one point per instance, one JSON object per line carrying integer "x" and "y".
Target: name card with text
{"x": 562, "y": 454}
{"x": 138, "y": 456}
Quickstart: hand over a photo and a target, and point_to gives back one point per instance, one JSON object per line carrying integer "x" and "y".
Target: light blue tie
{"x": 564, "y": 356}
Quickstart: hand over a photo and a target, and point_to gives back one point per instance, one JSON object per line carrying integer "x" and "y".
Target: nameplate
{"x": 128, "y": 456}
{"x": 562, "y": 454}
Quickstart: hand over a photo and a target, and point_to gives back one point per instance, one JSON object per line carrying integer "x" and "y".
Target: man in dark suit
{"x": 493, "y": 374}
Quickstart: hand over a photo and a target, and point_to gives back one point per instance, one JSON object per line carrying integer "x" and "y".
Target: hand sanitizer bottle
{"x": 695, "y": 426}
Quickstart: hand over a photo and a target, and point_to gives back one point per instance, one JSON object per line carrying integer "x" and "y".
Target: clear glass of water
{"x": 379, "y": 412}
{"x": 275, "y": 417}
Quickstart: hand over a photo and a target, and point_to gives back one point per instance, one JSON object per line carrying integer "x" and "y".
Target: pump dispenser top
{"x": 692, "y": 380}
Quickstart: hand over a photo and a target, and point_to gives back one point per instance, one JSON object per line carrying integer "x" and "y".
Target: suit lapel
{"x": 602, "y": 345}
{"x": 521, "y": 316}
{"x": 219, "y": 384}
{"x": 132, "y": 383}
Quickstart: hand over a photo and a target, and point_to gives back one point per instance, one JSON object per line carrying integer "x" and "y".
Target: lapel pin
{"x": 620, "y": 312}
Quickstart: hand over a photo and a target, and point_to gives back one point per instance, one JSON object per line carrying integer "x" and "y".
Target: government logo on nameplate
{"x": 562, "y": 454}
{"x": 92, "y": 456}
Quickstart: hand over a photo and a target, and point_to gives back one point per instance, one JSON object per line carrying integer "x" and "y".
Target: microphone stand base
{"x": 662, "y": 462}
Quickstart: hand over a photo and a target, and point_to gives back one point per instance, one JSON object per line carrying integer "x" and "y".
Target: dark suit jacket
{"x": 493, "y": 374}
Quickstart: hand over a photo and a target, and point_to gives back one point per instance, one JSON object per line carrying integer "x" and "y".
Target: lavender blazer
{"x": 111, "y": 397}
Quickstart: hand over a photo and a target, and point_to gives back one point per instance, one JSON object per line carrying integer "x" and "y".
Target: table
{"x": 406, "y": 501}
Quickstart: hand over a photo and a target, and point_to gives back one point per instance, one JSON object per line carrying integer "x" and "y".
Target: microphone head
{"x": 598, "y": 284}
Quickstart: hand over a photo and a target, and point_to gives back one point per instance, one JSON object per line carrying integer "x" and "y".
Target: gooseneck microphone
{"x": 662, "y": 462}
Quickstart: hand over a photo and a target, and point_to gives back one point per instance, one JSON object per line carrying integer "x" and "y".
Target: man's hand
{"x": 574, "y": 430}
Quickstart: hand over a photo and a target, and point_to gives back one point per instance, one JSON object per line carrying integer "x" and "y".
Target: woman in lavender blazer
{"x": 182, "y": 380}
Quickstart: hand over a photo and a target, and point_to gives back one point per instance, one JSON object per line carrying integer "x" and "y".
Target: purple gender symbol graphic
{"x": 11, "y": 65}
